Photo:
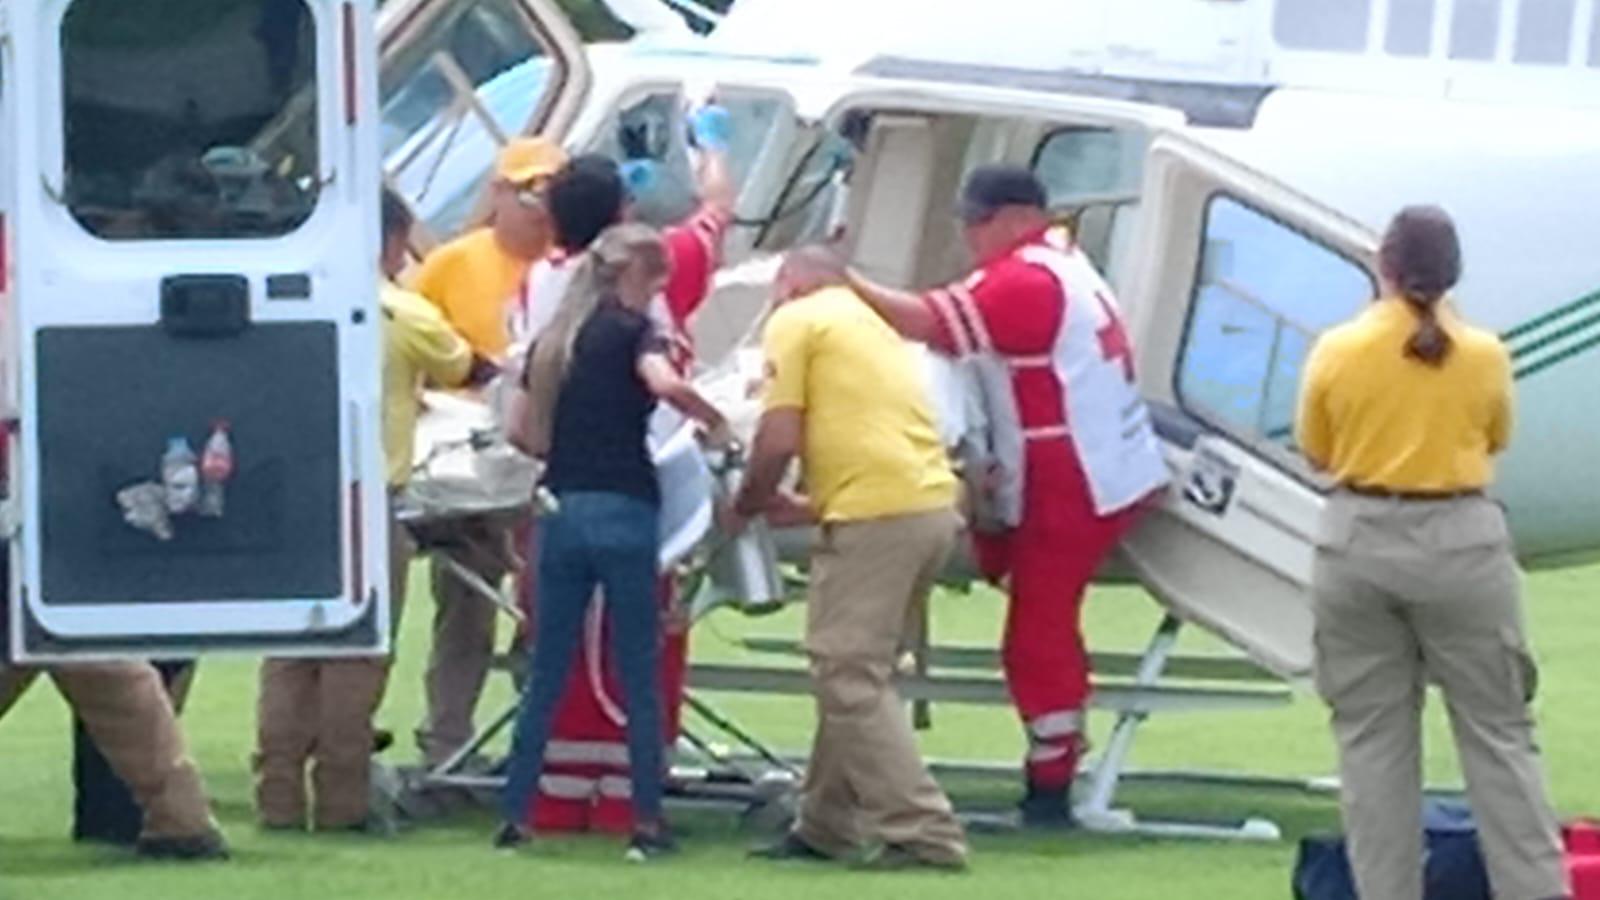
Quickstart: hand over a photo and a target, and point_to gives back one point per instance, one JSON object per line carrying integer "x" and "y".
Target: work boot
{"x": 790, "y": 848}
{"x": 1047, "y": 809}
{"x": 208, "y": 847}
{"x": 901, "y": 858}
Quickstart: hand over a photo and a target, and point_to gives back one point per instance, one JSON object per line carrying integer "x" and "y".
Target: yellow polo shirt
{"x": 418, "y": 345}
{"x": 473, "y": 281}
{"x": 1375, "y": 418}
{"x": 871, "y": 449}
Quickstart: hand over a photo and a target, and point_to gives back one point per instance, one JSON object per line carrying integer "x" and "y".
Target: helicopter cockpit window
{"x": 475, "y": 77}
{"x": 169, "y": 112}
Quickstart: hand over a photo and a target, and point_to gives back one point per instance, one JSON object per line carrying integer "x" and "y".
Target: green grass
{"x": 38, "y": 863}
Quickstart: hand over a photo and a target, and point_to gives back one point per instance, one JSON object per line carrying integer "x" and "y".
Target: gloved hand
{"x": 639, "y": 176}
{"x": 711, "y": 128}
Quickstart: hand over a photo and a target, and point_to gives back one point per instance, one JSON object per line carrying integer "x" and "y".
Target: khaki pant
{"x": 866, "y": 782}
{"x": 321, "y": 711}
{"x": 1409, "y": 592}
{"x": 126, "y": 710}
{"x": 463, "y": 643}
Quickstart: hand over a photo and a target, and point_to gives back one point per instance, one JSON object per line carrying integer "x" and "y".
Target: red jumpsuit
{"x": 585, "y": 783}
{"x": 1019, "y": 308}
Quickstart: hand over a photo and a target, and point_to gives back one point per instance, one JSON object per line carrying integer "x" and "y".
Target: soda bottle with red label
{"x": 216, "y": 467}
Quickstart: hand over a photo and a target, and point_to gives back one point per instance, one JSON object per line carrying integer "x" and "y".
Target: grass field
{"x": 451, "y": 861}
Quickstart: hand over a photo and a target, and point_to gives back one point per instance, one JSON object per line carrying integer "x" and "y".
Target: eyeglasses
{"x": 530, "y": 197}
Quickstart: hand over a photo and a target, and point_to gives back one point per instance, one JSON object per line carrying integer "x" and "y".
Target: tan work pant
{"x": 126, "y": 710}
{"x": 463, "y": 644}
{"x": 1409, "y": 592}
{"x": 866, "y": 782}
{"x": 321, "y": 711}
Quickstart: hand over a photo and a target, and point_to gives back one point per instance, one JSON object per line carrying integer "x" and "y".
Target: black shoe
{"x": 208, "y": 847}
{"x": 900, "y": 858}
{"x": 510, "y": 837}
{"x": 643, "y": 847}
{"x": 1047, "y": 809}
{"x": 791, "y": 848}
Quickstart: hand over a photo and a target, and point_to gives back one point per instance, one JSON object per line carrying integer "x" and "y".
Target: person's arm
{"x": 663, "y": 381}
{"x": 441, "y": 354}
{"x": 779, "y": 436}
{"x": 906, "y": 312}
{"x": 1312, "y": 429}
{"x": 1502, "y": 413}
{"x": 776, "y": 444}
{"x": 519, "y": 424}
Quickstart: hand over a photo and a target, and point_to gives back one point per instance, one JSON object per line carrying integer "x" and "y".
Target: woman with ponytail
{"x": 1415, "y": 581}
{"x": 593, "y": 379}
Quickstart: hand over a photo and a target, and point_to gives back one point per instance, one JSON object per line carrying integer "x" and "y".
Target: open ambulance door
{"x": 1233, "y": 277}
{"x": 459, "y": 78}
{"x": 193, "y": 194}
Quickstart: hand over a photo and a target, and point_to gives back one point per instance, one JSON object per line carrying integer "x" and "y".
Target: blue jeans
{"x": 610, "y": 541}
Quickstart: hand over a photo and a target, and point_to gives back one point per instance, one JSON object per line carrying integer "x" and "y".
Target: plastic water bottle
{"x": 180, "y": 476}
{"x": 216, "y": 467}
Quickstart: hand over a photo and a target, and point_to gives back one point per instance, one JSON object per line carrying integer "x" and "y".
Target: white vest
{"x": 1104, "y": 418}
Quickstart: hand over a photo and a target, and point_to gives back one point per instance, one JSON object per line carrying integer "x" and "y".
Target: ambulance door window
{"x": 476, "y": 76}
{"x": 1263, "y": 294}
{"x": 154, "y": 153}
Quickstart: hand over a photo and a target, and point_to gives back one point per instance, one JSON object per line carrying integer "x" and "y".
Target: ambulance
{"x": 192, "y": 333}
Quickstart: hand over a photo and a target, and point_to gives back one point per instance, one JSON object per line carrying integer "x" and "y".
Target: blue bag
{"x": 1452, "y": 864}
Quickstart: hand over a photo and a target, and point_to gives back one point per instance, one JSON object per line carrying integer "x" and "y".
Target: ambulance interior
{"x": 151, "y": 152}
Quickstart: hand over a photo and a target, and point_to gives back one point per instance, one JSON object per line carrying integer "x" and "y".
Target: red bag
{"x": 1582, "y": 841}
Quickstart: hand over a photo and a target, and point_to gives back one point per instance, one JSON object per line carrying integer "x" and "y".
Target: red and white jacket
{"x": 1055, "y": 366}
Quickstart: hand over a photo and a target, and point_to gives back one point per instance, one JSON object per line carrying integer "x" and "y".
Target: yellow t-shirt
{"x": 872, "y": 449}
{"x": 1375, "y": 418}
{"x": 418, "y": 345}
{"x": 473, "y": 281}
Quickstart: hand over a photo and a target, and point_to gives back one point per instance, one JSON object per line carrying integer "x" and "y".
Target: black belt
{"x": 1384, "y": 493}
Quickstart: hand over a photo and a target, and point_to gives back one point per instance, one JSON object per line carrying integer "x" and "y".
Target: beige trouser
{"x": 126, "y": 710}
{"x": 463, "y": 643}
{"x": 321, "y": 710}
{"x": 1409, "y": 592}
{"x": 866, "y": 782}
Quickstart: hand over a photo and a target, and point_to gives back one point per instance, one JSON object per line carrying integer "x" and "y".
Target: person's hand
{"x": 482, "y": 371}
{"x": 719, "y": 436}
{"x": 790, "y": 510}
{"x": 711, "y": 128}
{"x": 730, "y": 521}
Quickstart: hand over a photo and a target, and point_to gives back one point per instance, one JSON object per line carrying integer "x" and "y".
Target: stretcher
{"x": 469, "y": 485}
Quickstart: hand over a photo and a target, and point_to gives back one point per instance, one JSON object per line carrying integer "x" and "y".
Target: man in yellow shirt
{"x": 846, "y": 395}
{"x": 474, "y": 281}
{"x": 320, "y": 710}
{"x": 474, "y": 278}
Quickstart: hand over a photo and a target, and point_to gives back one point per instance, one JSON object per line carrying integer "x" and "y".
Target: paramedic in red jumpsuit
{"x": 1090, "y": 461}
{"x": 585, "y": 785}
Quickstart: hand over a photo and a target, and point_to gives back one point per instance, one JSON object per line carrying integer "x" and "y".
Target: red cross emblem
{"x": 1114, "y": 344}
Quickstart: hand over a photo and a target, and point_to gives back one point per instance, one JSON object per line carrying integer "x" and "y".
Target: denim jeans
{"x": 596, "y": 540}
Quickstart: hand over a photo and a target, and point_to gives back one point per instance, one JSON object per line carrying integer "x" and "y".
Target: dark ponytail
{"x": 1421, "y": 258}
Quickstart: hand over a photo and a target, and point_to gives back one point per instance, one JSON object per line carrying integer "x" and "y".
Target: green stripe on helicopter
{"x": 1555, "y": 336}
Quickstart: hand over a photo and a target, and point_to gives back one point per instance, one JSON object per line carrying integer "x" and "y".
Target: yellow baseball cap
{"x": 527, "y": 159}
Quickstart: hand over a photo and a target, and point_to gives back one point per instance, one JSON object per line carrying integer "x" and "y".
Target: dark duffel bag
{"x": 1452, "y": 862}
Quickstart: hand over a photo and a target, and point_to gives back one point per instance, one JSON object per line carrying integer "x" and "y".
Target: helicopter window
{"x": 169, "y": 110}
{"x": 1475, "y": 30}
{"x": 1320, "y": 25}
{"x": 1093, "y": 176}
{"x": 1264, "y": 292}
{"x": 477, "y": 76}
{"x": 1410, "y": 31}
{"x": 1544, "y": 31}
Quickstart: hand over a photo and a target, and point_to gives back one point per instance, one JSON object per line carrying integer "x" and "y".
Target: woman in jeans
{"x": 592, "y": 383}
{"x": 1415, "y": 580}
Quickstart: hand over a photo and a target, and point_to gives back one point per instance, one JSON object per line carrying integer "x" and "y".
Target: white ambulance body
{"x": 190, "y": 231}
